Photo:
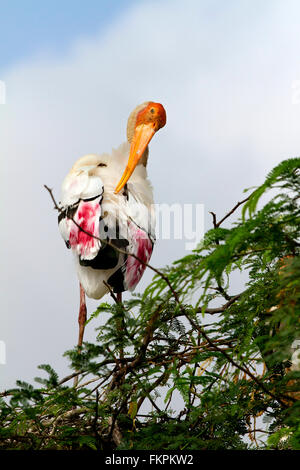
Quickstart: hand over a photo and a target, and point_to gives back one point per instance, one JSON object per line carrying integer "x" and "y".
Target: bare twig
{"x": 213, "y": 311}
{"x": 238, "y": 204}
{"x": 111, "y": 292}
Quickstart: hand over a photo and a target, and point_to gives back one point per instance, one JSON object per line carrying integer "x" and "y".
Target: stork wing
{"x": 80, "y": 214}
{"x": 141, "y": 247}
{"x": 125, "y": 222}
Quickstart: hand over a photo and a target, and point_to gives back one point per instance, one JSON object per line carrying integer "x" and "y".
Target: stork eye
{"x": 102, "y": 164}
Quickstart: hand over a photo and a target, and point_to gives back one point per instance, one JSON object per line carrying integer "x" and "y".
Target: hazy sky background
{"x": 225, "y": 73}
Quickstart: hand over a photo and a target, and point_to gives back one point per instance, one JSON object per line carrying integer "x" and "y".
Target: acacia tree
{"x": 231, "y": 364}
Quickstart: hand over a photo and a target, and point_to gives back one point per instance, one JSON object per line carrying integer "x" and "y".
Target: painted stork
{"x": 109, "y": 198}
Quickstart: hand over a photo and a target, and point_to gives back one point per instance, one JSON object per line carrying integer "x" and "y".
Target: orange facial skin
{"x": 153, "y": 113}
{"x": 148, "y": 121}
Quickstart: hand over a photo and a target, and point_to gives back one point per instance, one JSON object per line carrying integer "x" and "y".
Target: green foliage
{"x": 189, "y": 364}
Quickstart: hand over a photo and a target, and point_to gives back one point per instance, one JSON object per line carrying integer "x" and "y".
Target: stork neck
{"x": 144, "y": 158}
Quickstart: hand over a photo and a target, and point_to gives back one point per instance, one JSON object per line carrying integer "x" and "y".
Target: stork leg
{"x": 81, "y": 321}
{"x": 120, "y": 322}
{"x": 82, "y": 316}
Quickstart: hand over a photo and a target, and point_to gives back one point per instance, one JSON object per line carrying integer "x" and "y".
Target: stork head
{"x": 143, "y": 122}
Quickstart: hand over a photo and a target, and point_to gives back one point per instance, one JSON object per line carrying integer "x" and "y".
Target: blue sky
{"x": 30, "y": 27}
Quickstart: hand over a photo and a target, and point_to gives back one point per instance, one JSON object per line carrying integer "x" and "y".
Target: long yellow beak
{"x": 142, "y": 136}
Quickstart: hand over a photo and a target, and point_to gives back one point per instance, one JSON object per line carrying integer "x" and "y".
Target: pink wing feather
{"x": 142, "y": 247}
{"x": 87, "y": 217}
{"x": 82, "y": 196}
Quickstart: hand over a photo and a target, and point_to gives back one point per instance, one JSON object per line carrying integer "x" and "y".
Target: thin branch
{"x": 111, "y": 293}
{"x": 213, "y": 311}
{"x": 214, "y": 219}
{"x": 238, "y": 204}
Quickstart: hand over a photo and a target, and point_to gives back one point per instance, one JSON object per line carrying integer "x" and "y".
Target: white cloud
{"x": 224, "y": 72}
